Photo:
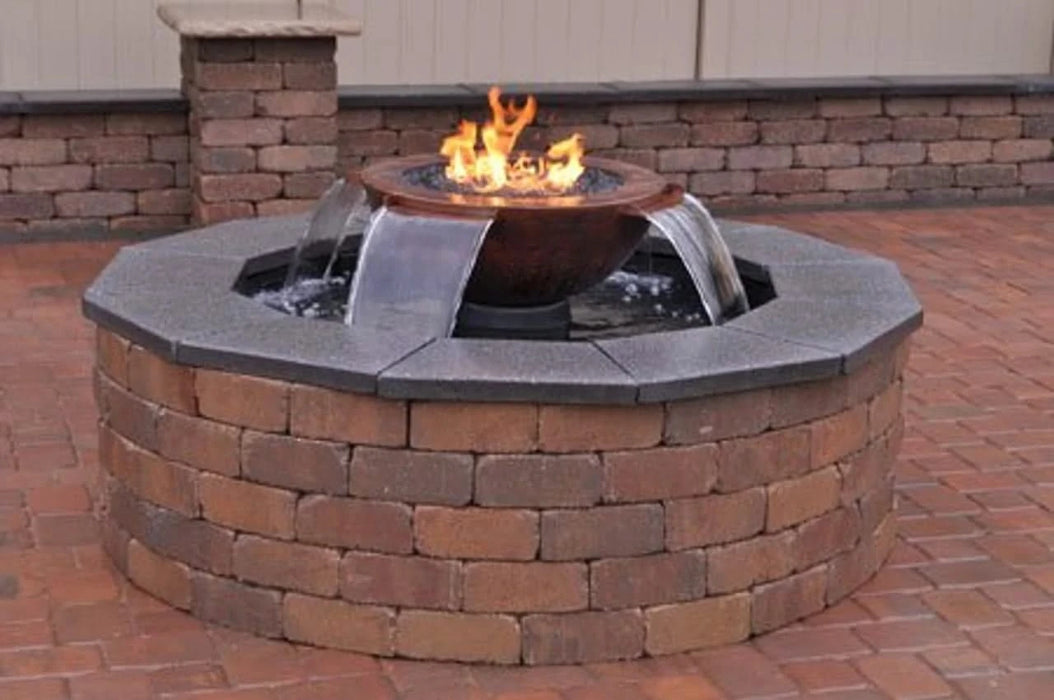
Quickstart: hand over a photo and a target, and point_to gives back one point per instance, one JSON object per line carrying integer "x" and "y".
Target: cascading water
{"x": 326, "y": 229}
{"x": 693, "y": 233}
{"x": 560, "y": 225}
{"x": 332, "y": 221}
{"x": 412, "y": 271}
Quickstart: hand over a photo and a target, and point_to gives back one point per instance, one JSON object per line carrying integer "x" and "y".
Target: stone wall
{"x": 112, "y": 171}
{"x": 500, "y": 533}
{"x": 755, "y": 153}
{"x": 89, "y": 173}
{"x": 262, "y": 124}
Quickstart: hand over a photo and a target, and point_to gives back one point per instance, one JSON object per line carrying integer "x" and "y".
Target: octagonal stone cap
{"x": 215, "y": 20}
{"x": 834, "y": 309}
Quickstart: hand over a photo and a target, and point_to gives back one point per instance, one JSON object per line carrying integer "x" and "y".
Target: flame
{"x": 489, "y": 169}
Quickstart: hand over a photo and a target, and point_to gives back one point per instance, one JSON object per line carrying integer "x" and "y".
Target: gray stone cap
{"x": 556, "y": 94}
{"x": 835, "y": 308}
{"x": 214, "y": 20}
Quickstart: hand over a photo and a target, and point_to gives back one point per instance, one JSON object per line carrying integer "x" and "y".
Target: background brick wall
{"x": 749, "y": 153}
{"x": 68, "y": 173}
{"x": 84, "y": 173}
{"x": 262, "y": 125}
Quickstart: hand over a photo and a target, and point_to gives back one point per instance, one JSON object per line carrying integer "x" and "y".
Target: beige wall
{"x": 778, "y": 38}
{"x": 447, "y": 41}
{"x": 71, "y": 44}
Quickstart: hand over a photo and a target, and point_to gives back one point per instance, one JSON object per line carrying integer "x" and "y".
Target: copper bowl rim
{"x": 641, "y": 191}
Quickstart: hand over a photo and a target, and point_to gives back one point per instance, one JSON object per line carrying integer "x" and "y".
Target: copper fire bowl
{"x": 539, "y": 249}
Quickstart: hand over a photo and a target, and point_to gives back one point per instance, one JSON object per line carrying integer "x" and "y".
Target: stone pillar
{"x": 261, "y": 83}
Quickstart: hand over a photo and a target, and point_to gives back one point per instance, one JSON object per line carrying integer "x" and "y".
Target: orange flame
{"x": 489, "y": 169}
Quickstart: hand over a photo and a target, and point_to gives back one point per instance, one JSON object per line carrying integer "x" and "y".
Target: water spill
{"x": 326, "y": 230}
{"x": 649, "y": 294}
{"x": 355, "y": 225}
{"x": 412, "y": 271}
{"x": 637, "y": 299}
{"x": 694, "y": 235}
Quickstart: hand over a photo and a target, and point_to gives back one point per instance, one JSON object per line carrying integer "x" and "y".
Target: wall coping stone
{"x": 91, "y": 101}
{"x": 175, "y": 296}
{"x": 372, "y": 96}
{"x": 363, "y": 96}
{"x": 236, "y": 20}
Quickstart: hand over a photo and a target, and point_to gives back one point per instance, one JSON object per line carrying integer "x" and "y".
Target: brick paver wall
{"x": 90, "y": 172}
{"x": 129, "y": 171}
{"x": 263, "y": 124}
{"x": 499, "y": 533}
{"x": 750, "y": 153}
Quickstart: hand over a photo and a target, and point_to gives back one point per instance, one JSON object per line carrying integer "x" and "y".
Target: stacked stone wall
{"x": 262, "y": 124}
{"x": 270, "y": 139}
{"x": 761, "y": 153}
{"x": 63, "y": 173}
{"x": 500, "y": 533}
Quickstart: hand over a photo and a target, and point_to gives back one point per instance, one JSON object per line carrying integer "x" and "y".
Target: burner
{"x": 433, "y": 177}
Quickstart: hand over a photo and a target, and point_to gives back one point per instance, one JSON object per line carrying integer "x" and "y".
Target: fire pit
{"x": 383, "y": 487}
{"x": 490, "y": 238}
{"x": 540, "y": 248}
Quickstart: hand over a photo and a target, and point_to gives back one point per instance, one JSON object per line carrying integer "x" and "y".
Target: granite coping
{"x": 469, "y": 95}
{"x": 834, "y": 309}
{"x": 261, "y": 18}
{"x": 364, "y": 96}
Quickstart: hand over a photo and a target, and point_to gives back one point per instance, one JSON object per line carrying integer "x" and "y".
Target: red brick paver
{"x": 965, "y": 607}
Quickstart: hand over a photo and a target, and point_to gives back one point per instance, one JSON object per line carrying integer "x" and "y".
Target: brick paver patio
{"x": 965, "y": 607}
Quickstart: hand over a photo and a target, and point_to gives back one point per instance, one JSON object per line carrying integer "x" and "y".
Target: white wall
{"x": 71, "y": 44}
{"x": 785, "y": 38}
{"x": 449, "y": 41}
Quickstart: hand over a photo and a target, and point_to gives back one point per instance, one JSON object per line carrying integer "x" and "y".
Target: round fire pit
{"x": 497, "y": 501}
{"x": 540, "y": 249}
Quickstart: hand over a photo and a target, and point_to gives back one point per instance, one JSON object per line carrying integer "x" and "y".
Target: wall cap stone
{"x": 834, "y": 308}
{"x": 468, "y": 95}
{"x": 228, "y": 20}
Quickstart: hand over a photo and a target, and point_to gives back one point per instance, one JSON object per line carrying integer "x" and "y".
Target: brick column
{"x": 263, "y": 125}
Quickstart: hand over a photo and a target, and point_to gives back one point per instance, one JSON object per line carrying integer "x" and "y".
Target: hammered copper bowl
{"x": 539, "y": 250}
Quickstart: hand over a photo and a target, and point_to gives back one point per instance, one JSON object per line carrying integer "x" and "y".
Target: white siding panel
{"x": 800, "y": 38}
{"x": 861, "y": 34}
{"x": 95, "y": 34}
{"x": 452, "y": 37}
{"x": 681, "y": 38}
{"x": 133, "y": 42}
{"x": 832, "y": 31}
{"x": 70, "y": 44}
{"x": 648, "y": 38}
{"x": 772, "y": 45}
{"x": 57, "y": 26}
{"x": 480, "y": 41}
{"x": 586, "y": 39}
{"x": 417, "y": 24}
{"x": 518, "y": 46}
{"x": 351, "y": 56}
{"x": 716, "y": 49}
{"x": 165, "y": 43}
{"x": 616, "y": 20}
{"x": 18, "y": 42}
{"x": 381, "y": 56}
{"x": 894, "y": 22}
{"x": 553, "y": 31}
{"x": 484, "y": 42}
